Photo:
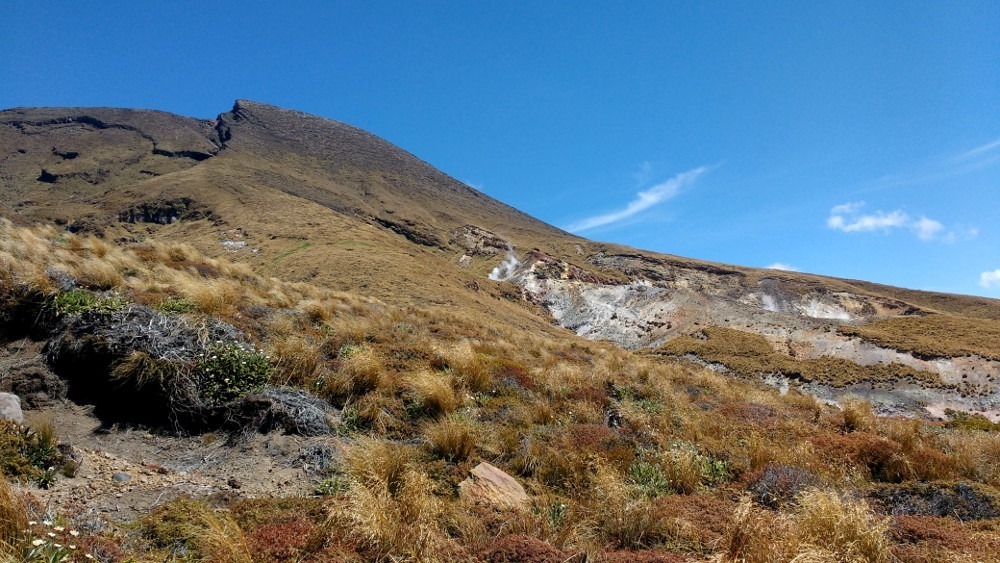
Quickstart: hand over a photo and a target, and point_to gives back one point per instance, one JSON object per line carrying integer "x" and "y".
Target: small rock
{"x": 10, "y": 407}
{"x": 121, "y": 477}
{"x": 234, "y": 483}
{"x": 488, "y": 485}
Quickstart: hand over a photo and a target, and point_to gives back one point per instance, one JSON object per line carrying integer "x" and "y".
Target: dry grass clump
{"x": 431, "y": 393}
{"x": 296, "y": 360}
{"x": 360, "y": 370}
{"x": 219, "y": 538}
{"x": 390, "y": 506}
{"x": 975, "y": 456}
{"x": 858, "y": 416}
{"x": 13, "y": 521}
{"x": 822, "y": 527}
{"x": 452, "y": 439}
{"x": 472, "y": 370}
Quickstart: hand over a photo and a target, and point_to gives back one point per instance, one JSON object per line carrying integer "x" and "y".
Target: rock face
{"x": 10, "y": 407}
{"x": 488, "y": 485}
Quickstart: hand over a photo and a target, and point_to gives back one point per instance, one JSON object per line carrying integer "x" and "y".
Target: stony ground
{"x": 128, "y": 472}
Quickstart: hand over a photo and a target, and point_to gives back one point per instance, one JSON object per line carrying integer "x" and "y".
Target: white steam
{"x": 506, "y": 268}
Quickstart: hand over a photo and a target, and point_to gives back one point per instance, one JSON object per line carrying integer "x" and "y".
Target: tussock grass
{"x": 824, "y": 526}
{"x": 858, "y": 416}
{"x": 13, "y": 522}
{"x": 220, "y": 538}
{"x": 451, "y": 439}
{"x": 432, "y": 393}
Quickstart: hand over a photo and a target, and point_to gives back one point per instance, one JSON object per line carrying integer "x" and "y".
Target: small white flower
{"x": 37, "y": 542}
{"x": 74, "y": 533}
{"x": 32, "y": 523}
{"x": 51, "y": 534}
{"x": 47, "y": 522}
{"x": 58, "y": 528}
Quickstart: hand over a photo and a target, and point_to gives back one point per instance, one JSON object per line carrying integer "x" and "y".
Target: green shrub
{"x": 969, "y": 421}
{"x": 78, "y": 301}
{"x": 26, "y": 453}
{"x": 228, "y": 371}
{"x": 176, "y": 306}
{"x": 649, "y": 478}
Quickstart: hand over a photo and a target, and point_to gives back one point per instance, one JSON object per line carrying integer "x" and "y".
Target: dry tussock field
{"x": 623, "y": 457}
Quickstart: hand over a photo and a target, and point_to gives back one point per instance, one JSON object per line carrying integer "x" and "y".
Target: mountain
{"x": 311, "y": 199}
{"x": 271, "y": 336}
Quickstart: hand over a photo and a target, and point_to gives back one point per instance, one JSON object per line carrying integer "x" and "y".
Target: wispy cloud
{"x": 848, "y": 217}
{"x": 644, "y": 173}
{"x": 981, "y": 150}
{"x": 642, "y": 201}
{"x": 943, "y": 167}
{"x": 990, "y": 279}
{"x": 783, "y": 266}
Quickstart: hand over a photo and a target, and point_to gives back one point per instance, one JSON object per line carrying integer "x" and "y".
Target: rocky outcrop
{"x": 490, "y": 486}
{"x": 10, "y": 408}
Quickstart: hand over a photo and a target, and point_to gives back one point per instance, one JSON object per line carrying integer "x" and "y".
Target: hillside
{"x": 309, "y": 199}
{"x": 275, "y": 332}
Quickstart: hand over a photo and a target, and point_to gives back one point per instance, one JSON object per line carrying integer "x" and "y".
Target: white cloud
{"x": 783, "y": 266}
{"x": 926, "y": 228}
{"x": 847, "y": 217}
{"x": 990, "y": 279}
{"x": 643, "y": 201}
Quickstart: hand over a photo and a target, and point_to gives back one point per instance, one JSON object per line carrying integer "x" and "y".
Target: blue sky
{"x": 860, "y": 140}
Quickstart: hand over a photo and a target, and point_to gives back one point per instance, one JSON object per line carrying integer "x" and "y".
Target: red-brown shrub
{"x": 520, "y": 548}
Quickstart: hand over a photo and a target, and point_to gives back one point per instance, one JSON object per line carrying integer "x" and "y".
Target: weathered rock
{"x": 121, "y": 477}
{"x": 10, "y": 407}
{"x": 488, "y": 485}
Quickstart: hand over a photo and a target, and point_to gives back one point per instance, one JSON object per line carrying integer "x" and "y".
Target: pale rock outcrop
{"x": 488, "y": 485}
{"x": 10, "y": 407}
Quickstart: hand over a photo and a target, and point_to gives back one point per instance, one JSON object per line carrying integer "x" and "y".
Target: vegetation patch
{"x": 79, "y": 301}
{"x": 750, "y": 355}
{"x": 230, "y": 370}
{"x": 28, "y": 453}
{"x": 933, "y": 336}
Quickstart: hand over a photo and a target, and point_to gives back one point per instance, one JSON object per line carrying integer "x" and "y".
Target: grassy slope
{"x": 428, "y": 394}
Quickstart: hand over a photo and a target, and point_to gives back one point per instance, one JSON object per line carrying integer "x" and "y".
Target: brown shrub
{"x": 776, "y": 485}
{"x": 519, "y": 548}
{"x": 695, "y": 523}
{"x": 286, "y": 541}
